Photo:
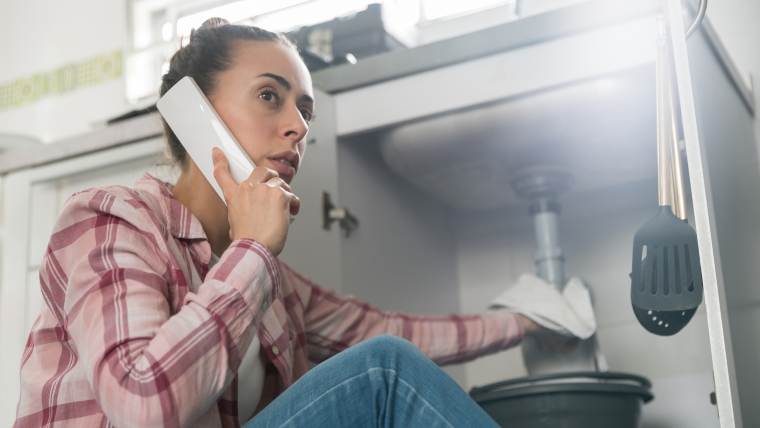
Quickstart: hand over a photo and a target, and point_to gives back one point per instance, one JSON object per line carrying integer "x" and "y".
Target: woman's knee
{"x": 388, "y": 344}
{"x": 387, "y": 350}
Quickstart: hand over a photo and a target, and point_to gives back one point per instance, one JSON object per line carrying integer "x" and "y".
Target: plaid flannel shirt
{"x": 136, "y": 329}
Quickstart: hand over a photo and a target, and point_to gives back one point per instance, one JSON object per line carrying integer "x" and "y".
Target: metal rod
{"x": 668, "y": 120}
{"x": 678, "y": 197}
{"x": 701, "y": 11}
{"x": 664, "y": 178}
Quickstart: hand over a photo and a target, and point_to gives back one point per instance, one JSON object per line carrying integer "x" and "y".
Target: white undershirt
{"x": 250, "y": 375}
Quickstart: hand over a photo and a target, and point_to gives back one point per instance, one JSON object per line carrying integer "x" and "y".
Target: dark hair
{"x": 207, "y": 54}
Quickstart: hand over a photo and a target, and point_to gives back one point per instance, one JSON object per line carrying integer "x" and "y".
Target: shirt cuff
{"x": 240, "y": 286}
{"x": 237, "y": 291}
{"x": 505, "y": 323}
{"x": 250, "y": 268}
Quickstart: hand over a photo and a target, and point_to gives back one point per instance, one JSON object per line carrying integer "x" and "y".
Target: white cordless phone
{"x": 199, "y": 128}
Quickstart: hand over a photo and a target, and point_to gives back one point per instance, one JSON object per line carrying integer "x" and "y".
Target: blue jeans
{"x": 383, "y": 382}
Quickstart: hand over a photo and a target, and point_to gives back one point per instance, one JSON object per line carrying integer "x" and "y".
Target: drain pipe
{"x": 549, "y": 258}
{"x": 542, "y": 187}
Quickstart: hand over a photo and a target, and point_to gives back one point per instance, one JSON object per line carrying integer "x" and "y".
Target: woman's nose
{"x": 296, "y": 127}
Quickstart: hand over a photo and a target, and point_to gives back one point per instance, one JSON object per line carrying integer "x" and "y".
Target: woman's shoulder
{"x": 133, "y": 205}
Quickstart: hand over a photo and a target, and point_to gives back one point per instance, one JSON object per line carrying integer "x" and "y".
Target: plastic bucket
{"x": 566, "y": 400}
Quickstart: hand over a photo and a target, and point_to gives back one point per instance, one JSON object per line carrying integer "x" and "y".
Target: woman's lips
{"x": 286, "y": 172}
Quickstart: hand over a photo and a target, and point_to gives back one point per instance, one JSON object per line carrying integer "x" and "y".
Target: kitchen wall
{"x": 40, "y": 36}
{"x": 596, "y": 230}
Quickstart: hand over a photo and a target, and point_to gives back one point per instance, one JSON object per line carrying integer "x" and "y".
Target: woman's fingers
{"x": 257, "y": 207}
{"x": 222, "y": 172}
{"x": 224, "y": 177}
{"x": 262, "y": 174}
{"x": 293, "y": 200}
{"x": 295, "y": 204}
{"x": 278, "y": 182}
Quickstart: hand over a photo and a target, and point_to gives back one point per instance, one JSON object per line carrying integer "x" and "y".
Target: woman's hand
{"x": 259, "y": 207}
{"x": 546, "y": 339}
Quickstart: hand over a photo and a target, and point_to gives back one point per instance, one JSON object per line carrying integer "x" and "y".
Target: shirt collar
{"x": 179, "y": 220}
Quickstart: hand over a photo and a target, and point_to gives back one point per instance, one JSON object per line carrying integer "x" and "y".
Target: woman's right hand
{"x": 547, "y": 340}
{"x": 259, "y": 207}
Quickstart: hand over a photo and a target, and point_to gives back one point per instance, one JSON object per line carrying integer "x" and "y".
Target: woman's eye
{"x": 307, "y": 115}
{"x": 269, "y": 96}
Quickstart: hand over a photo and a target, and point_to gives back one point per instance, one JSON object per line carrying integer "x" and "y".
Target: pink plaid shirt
{"x": 137, "y": 331}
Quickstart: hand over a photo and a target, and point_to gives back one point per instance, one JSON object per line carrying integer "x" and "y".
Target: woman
{"x": 164, "y": 307}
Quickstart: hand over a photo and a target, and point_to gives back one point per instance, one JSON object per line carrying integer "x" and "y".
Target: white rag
{"x": 568, "y": 312}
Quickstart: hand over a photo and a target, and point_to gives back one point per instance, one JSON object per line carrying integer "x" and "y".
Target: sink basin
{"x": 601, "y": 130}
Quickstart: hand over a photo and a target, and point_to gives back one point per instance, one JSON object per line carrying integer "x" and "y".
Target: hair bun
{"x": 213, "y": 22}
{"x": 209, "y": 24}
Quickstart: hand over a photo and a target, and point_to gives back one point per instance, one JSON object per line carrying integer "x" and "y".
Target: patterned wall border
{"x": 67, "y": 78}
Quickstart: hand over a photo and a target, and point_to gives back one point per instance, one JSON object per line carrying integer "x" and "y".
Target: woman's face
{"x": 266, "y": 99}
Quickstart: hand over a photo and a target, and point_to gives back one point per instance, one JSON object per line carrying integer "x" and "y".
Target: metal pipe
{"x": 549, "y": 258}
{"x": 701, "y": 11}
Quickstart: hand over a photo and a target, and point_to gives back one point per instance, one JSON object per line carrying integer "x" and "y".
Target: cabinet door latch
{"x": 330, "y": 214}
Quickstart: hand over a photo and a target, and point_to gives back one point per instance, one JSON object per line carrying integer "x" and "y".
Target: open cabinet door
{"x": 723, "y": 175}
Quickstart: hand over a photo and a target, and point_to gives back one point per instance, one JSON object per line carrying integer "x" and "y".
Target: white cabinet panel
{"x": 310, "y": 249}
{"x": 43, "y": 209}
{"x": 681, "y": 401}
{"x": 630, "y": 348}
{"x": 497, "y": 77}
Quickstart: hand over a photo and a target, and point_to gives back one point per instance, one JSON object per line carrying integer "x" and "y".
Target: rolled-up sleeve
{"x": 334, "y": 322}
{"x": 147, "y": 366}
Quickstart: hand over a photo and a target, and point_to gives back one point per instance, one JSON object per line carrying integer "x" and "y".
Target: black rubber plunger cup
{"x": 666, "y": 277}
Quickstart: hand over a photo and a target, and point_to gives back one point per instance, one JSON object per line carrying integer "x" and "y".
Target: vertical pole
{"x": 549, "y": 259}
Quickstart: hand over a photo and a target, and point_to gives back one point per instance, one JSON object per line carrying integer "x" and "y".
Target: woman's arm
{"x": 146, "y": 366}
{"x": 333, "y": 323}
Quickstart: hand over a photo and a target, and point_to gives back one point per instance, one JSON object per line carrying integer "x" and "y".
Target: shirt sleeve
{"x": 334, "y": 323}
{"x": 148, "y": 367}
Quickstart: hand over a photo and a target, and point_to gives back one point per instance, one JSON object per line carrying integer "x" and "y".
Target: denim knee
{"x": 391, "y": 352}
{"x": 388, "y": 344}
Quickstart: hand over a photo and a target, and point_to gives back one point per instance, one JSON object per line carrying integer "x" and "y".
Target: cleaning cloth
{"x": 567, "y": 312}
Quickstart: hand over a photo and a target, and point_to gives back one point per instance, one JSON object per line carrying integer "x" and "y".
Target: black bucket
{"x": 566, "y": 400}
